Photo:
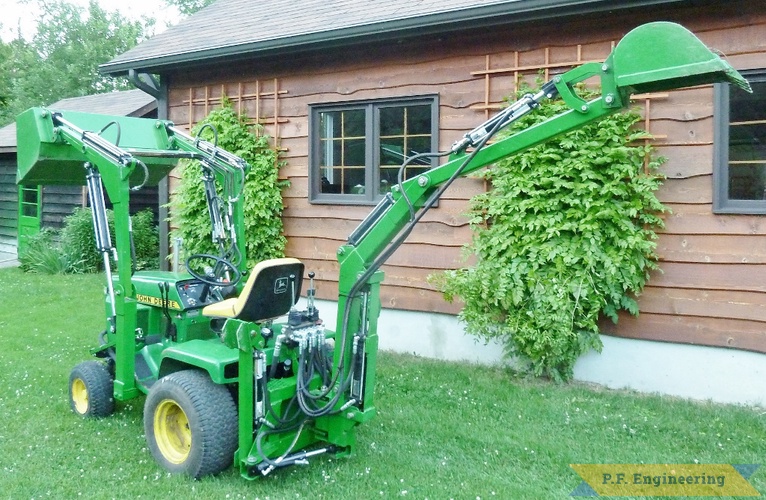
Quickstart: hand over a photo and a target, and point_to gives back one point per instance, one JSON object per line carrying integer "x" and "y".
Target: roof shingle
{"x": 237, "y": 27}
{"x": 126, "y": 103}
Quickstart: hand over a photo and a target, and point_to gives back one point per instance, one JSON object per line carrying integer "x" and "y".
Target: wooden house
{"x": 47, "y": 206}
{"x": 314, "y": 72}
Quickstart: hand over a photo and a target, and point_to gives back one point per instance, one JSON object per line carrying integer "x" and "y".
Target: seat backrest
{"x": 273, "y": 287}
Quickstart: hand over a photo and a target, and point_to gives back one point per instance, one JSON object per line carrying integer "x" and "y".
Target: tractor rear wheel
{"x": 191, "y": 424}
{"x": 90, "y": 390}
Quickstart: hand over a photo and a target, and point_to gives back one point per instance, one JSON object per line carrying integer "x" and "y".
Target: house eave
{"x": 478, "y": 18}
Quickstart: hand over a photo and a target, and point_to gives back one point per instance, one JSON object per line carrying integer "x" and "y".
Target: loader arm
{"x": 653, "y": 57}
{"x": 118, "y": 155}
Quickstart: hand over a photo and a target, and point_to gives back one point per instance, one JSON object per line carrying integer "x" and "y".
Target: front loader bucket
{"x": 43, "y": 157}
{"x": 663, "y": 56}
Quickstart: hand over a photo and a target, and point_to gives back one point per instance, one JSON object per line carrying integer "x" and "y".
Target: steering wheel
{"x": 219, "y": 269}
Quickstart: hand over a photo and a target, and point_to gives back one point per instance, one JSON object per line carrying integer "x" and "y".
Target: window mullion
{"x": 372, "y": 162}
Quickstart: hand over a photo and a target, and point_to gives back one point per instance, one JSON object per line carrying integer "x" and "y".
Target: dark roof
{"x": 125, "y": 103}
{"x": 239, "y": 28}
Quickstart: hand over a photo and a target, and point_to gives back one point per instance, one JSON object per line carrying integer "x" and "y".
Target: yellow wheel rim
{"x": 80, "y": 396}
{"x": 172, "y": 432}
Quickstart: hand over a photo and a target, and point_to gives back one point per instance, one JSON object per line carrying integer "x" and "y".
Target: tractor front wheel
{"x": 90, "y": 390}
{"x": 191, "y": 424}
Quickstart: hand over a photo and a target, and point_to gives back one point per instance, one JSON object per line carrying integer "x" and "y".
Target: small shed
{"x": 47, "y": 206}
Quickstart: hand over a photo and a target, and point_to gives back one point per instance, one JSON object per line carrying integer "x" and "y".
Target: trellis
{"x": 258, "y": 101}
{"x": 547, "y": 69}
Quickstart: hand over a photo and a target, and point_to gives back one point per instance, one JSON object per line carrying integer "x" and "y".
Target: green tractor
{"x": 231, "y": 369}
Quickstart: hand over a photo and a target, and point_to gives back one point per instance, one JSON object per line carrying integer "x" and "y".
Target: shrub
{"x": 77, "y": 239}
{"x": 566, "y": 234}
{"x": 146, "y": 240}
{"x": 42, "y": 255}
{"x": 78, "y": 248}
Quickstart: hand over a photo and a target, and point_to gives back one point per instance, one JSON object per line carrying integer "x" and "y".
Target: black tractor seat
{"x": 273, "y": 287}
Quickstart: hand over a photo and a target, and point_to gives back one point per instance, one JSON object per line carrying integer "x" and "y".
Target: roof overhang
{"x": 474, "y": 18}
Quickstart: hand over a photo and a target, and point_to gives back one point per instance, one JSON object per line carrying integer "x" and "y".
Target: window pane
{"x": 417, "y": 145}
{"x": 331, "y": 180}
{"x": 747, "y": 182}
{"x": 419, "y": 119}
{"x": 353, "y": 150}
{"x": 28, "y": 210}
{"x": 330, "y": 153}
{"x": 353, "y": 123}
{"x": 392, "y": 151}
{"x": 353, "y": 182}
{"x": 330, "y": 124}
{"x": 29, "y": 195}
{"x": 747, "y": 143}
{"x": 392, "y": 121}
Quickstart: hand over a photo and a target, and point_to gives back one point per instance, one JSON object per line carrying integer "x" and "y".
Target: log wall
{"x": 711, "y": 288}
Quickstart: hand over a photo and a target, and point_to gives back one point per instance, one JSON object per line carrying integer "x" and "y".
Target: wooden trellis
{"x": 258, "y": 101}
{"x": 547, "y": 69}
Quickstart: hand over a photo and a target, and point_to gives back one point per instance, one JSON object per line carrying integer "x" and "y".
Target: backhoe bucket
{"x": 663, "y": 56}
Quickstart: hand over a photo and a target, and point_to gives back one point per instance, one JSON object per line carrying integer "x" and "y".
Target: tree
{"x": 62, "y": 58}
{"x": 5, "y": 78}
{"x": 188, "y": 7}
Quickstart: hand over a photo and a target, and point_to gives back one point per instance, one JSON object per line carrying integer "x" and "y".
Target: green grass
{"x": 444, "y": 430}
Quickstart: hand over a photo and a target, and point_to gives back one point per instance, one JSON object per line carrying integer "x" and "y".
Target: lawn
{"x": 444, "y": 430}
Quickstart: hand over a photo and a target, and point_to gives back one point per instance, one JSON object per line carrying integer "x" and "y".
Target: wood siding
{"x": 710, "y": 290}
{"x": 9, "y": 202}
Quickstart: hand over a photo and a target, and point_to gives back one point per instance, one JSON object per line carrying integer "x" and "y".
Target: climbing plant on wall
{"x": 262, "y": 193}
{"x": 565, "y": 235}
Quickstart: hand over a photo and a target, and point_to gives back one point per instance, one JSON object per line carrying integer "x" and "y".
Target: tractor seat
{"x": 271, "y": 290}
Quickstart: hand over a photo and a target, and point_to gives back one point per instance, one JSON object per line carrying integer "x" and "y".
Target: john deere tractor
{"x": 230, "y": 368}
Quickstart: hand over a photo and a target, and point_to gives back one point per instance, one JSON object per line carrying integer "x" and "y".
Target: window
{"x": 357, "y": 148}
{"x": 740, "y": 147}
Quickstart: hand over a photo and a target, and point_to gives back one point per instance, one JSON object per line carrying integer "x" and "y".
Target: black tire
{"x": 91, "y": 390}
{"x": 191, "y": 424}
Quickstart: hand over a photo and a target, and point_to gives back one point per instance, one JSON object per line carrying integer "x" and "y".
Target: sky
{"x": 24, "y": 13}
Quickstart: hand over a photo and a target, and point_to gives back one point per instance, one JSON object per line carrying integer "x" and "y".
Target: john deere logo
{"x": 280, "y": 285}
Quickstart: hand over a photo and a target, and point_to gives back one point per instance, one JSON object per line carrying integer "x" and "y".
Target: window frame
{"x": 721, "y": 109}
{"x": 372, "y": 147}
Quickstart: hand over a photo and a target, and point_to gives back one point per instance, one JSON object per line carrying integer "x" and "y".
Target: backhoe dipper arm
{"x": 653, "y": 57}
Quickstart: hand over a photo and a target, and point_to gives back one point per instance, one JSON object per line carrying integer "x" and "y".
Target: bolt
{"x": 604, "y": 67}
{"x": 341, "y": 251}
{"x": 609, "y": 99}
{"x": 422, "y": 181}
{"x": 350, "y": 415}
{"x": 584, "y": 107}
{"x": 557, "y": 79}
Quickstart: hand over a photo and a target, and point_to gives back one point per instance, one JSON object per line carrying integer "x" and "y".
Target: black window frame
{"x": 372, "y": 147}
{"x": 722, "y": 204}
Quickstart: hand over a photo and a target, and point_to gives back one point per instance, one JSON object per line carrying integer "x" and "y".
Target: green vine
{"x": 565, "y": 235}
{"x": 262, "y": 194}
